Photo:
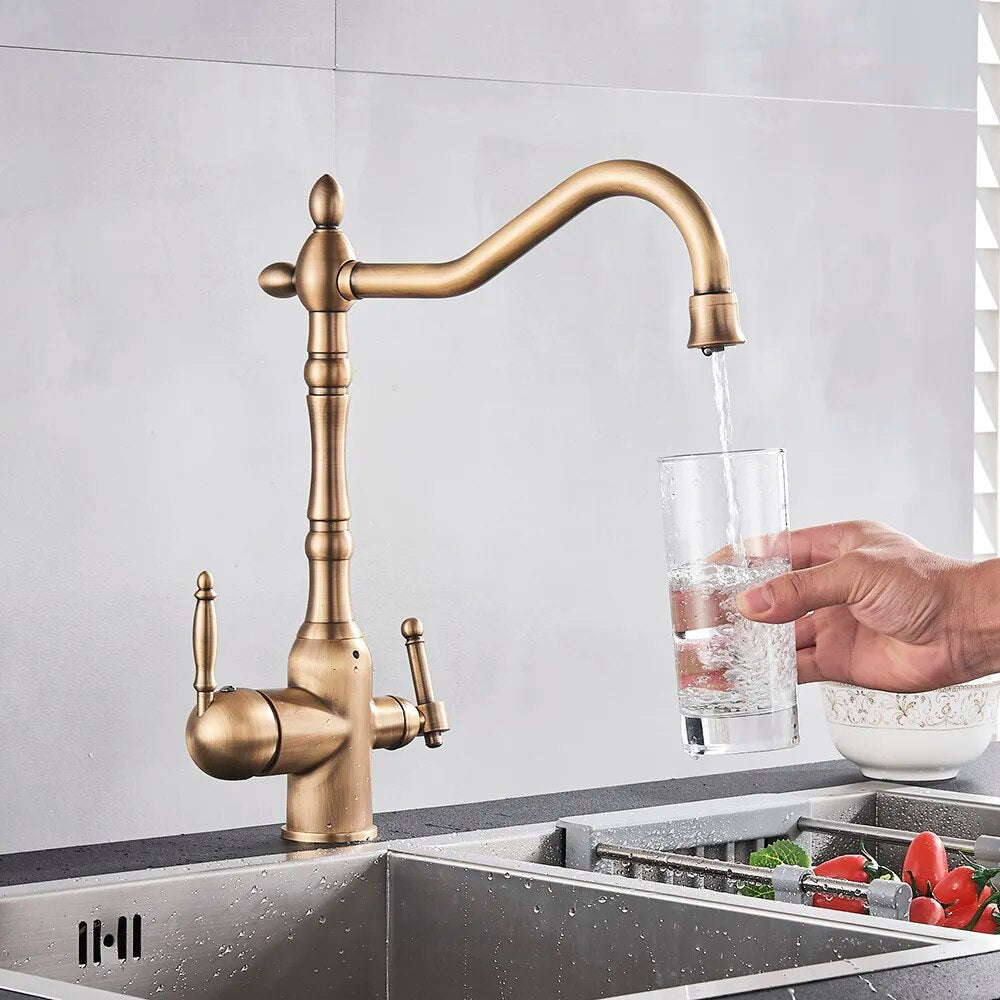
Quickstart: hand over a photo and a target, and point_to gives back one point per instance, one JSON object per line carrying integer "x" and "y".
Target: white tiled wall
{"x": 502, "y": 445}
{"x": 889, "y": 52}
{"x": 151, "y": 423}
{"x": 280, "y": 33}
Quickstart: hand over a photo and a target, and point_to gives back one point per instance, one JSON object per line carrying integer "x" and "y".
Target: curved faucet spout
{"x": 714, "y": 317}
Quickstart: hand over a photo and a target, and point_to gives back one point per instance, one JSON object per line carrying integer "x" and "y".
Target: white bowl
{"x": 912, "y": 737}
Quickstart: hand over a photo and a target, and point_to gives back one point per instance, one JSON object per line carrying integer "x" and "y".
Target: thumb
{"x": 792, "y": 595}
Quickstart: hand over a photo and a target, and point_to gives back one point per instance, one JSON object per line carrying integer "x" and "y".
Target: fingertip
{"x": 756, "y": 602}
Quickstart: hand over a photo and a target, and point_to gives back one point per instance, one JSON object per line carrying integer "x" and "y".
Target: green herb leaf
{"x": 755, "y": 890}
{"x": 781, "y": 852}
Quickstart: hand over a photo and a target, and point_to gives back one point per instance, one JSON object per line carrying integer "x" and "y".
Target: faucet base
{"x": 352, "y": 837}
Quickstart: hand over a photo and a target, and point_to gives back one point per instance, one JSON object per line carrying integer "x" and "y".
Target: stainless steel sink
{"x": 465, "y": 917}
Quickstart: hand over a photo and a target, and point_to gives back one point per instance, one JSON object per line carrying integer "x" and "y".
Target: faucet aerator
{"x": 715, "y": 322}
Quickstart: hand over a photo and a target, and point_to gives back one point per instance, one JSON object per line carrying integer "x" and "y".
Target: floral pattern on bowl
{"x": 956, "y": 707}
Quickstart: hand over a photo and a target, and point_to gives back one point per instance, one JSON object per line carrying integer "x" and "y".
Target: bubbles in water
{"x": 732, "y": 664}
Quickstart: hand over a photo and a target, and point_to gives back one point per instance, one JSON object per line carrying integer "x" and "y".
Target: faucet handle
{"x": 433, "y": 713}
{"x": 205, "y": 639}
{"x": 278, "y": 280}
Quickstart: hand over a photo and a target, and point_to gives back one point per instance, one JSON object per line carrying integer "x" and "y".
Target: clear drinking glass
{"x": 725, "y": 516}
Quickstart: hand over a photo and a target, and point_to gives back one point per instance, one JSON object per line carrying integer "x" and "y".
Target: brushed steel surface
{"x": 277, "y": 930}
{"x": 453, "y": 917}
{"x": 551, "y": 935}
{"x": 878, "y": 833}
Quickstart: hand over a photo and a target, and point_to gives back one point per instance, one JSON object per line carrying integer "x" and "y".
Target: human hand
{"x": 886, "y": 612}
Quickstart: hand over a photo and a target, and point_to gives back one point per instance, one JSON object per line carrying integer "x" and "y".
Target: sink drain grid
{"x": 791, "y": 883}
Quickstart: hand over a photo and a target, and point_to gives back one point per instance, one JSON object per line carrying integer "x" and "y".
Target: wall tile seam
{"x": 165, "y": 58}
{"x": 648, "y": 90}
{"x": 484, "y": 79}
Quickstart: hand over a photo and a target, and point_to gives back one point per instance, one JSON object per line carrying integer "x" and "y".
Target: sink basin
{"x": 458, "y": 917}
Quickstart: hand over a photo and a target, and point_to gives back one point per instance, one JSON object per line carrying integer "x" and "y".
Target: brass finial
{"x": 412, "y": 628}
{"x": 326, "y": 202}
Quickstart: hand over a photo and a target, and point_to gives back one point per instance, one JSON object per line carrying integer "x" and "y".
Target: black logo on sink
{"x": 96, "y": 941}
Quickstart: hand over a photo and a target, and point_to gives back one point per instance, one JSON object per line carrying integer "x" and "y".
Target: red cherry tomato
{"x": 925, "y": 864}
{"x": 980, "y": 916}
{"x": 965, "y": 886}
{"x": 926, "y": 910}
{"x": 987, "y": 922}
{"x": 850, "y": 867}
{"x": 957, "y": 916}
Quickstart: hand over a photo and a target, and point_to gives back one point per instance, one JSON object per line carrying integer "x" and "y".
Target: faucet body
{"x": 321, "y": 728}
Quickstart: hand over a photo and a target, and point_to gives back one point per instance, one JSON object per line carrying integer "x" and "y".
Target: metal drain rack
{"x": 791, "y": 883}
{"x": 707, "y": 845}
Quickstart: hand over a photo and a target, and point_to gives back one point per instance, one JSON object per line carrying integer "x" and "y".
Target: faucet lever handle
{"x": 278, "y": 280}
{"x": 205, "y": 639}
{"x": 433, "y": 713}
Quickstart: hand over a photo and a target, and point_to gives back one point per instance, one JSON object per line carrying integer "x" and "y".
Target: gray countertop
{"x": 966, "y": 978}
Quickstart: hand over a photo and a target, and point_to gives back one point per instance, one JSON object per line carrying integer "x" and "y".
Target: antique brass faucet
{"x": 320, "y": 730}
